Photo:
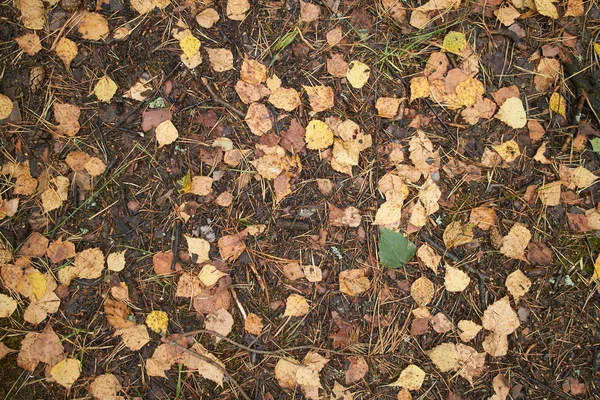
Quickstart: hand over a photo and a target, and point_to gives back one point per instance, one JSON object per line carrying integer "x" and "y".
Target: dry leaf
{"x": 358, "y": 74}
{"x": 457, "y": 234}
{"x": 6, "y": 106}
{"x": 35, "y": 245}
{"x": 422, "y": 291}
{"x": 319, "y": 97}
{"x": 318, "y": 135}
{"x": 387, "y": 107}
{"x": 67, "y": 116}
{"x": 558, "y": 104}
{"x": 209, "y": 275}
{"x": 93, "y": 26}
{"x": 429, "y": 257}
{"x": 410, "y": 378}
{"x": 546, "y": 8}
{"x": 95, "y": 166}
{"x": 89, "y": 263}
{"x": 207, "y": 18}
{"x": 495, "y": 344}
{"x": 296, "y": 306}
{"x": 59, "y": 251}
{"x": 354, "y": 282}
{"x": 455, "y": 279}
{"x": 166, "y": 133}
{"x": 237, "y": 9}
{"x": 518, "y": 284}
{"x": 422, "y": 155}
{"x": 483, "y": 217}
{"x": 469, "y": 330}
{"x": 221, "y": 60}
{"x": 357, "y": 369}
{"x": 500, "y": 318}
{"x": 547, "y": 72}
{"x": 549, "y": 194}
{"x": 198, "y": 247}
{"x": 441, "y": 323}
{"x": 190, "y": 45}
{"x": 470, "y": 363}
{"x": 43, "y": 347}
{"x": 30, "y": 43}
{"x": 574, "y": 8}
{"x": 134, "y": 337}
{"x": 512, "y": 113}
{"x": 509, "y": 150}
{"x": 501, "y": 388}
{"x": 33, "y": 14}
{"x": 259, "y": 119}
{"x": 515, "y": 243}
{"x": 444, "y": 356}
{"x": 105, "y": 387}
{"x": 253, "y": 72}
{"x": 66, "y": 372}
{"x": 313, "y": 273}
{"x": 231, "y": 246}
{"x": 105, "y": 89}
{"x": 8, "y": 305}
{"x": 334, "y": 36}
{"x": 337, "y": 66}
{"x": 253, "y": 324}
{"x": 286, "y": 99}
{"x": 309, "y": 12}
{"x": 507, "y": 15}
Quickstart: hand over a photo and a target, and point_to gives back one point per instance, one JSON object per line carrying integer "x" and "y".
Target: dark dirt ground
{"x": 559, "y": 338}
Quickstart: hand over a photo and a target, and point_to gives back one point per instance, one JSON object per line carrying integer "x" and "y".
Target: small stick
{"x": 219, "y": 100}
{"x": 175, "y": 246}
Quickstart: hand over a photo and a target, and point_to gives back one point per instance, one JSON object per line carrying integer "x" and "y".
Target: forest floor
{"x": 285, "y": 200}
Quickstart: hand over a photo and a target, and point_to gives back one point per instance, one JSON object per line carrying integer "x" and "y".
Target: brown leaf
{"x": 483, "y": 217}
{"x": 231, "y": 246}
{"x": 319, "y": 97}
{"x": 259, "y": 119}
{"x": 470, "y": 363}
{"x": 89, "y": 263}
{"x": 469, "y": 330}
{"x": 422, "y": 291}
{"x": 117, "y": 314}
{"x": 457, "y": 234}
{"x": 518, "y": 284}
{"x": 500, "y": 318}
{"x": 219, "y": 321}
{"x": 134, "y": 337}
{"x": 296, "y": 306}
{"x": 309, "y": 12}
{"x": 387, "y": 107}
{"x": 419, "y": 326}
{"x": 162, "y": 262}
{"x": 539, "y": 253}
{"x": 43, "y": 347}
{"x": 353, "y": 282}
{"x": 105, "y": 386}
{"x": 356, "y": 370}
{"x": 35, "y": 245}
{"x": 441, "y": 323}
{"x": 573, "y": 385}
{"x": 337, "y": 66}
{"x": 253, "y": 324}
{"x": 515, "y": 243}
{"x": 444, "y": 356}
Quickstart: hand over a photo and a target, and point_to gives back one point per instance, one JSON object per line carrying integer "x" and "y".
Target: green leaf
{"x": 595, "y": 144}
{"x": 395, "y": 249}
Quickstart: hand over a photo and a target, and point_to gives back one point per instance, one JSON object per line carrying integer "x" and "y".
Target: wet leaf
{"x": 353, "y": 282}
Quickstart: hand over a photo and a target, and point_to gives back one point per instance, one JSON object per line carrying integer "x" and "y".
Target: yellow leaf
{"x": 597, "y": 49}
{"x": 185, "y": 182}
{"x": 38, "y": 284}
{"x": 105, "y": 89}
{"x": 558, "y": 104}
{"x": 419, "y": 88}
{"x": 454, "y": 42}
{"x": 166, "y": 133}
{"x": 318, "y": 135}
{"x": 6, "y": 106}
{"x": 509, "y": 150}
{"x": 66, "y": 372}
{"x": 158, "y": 321}
{"x": 190, "y": 45}
{"x": 512, "y": 113}
{"x": 358, "y": 74}
{"x": 596, "y": 275}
